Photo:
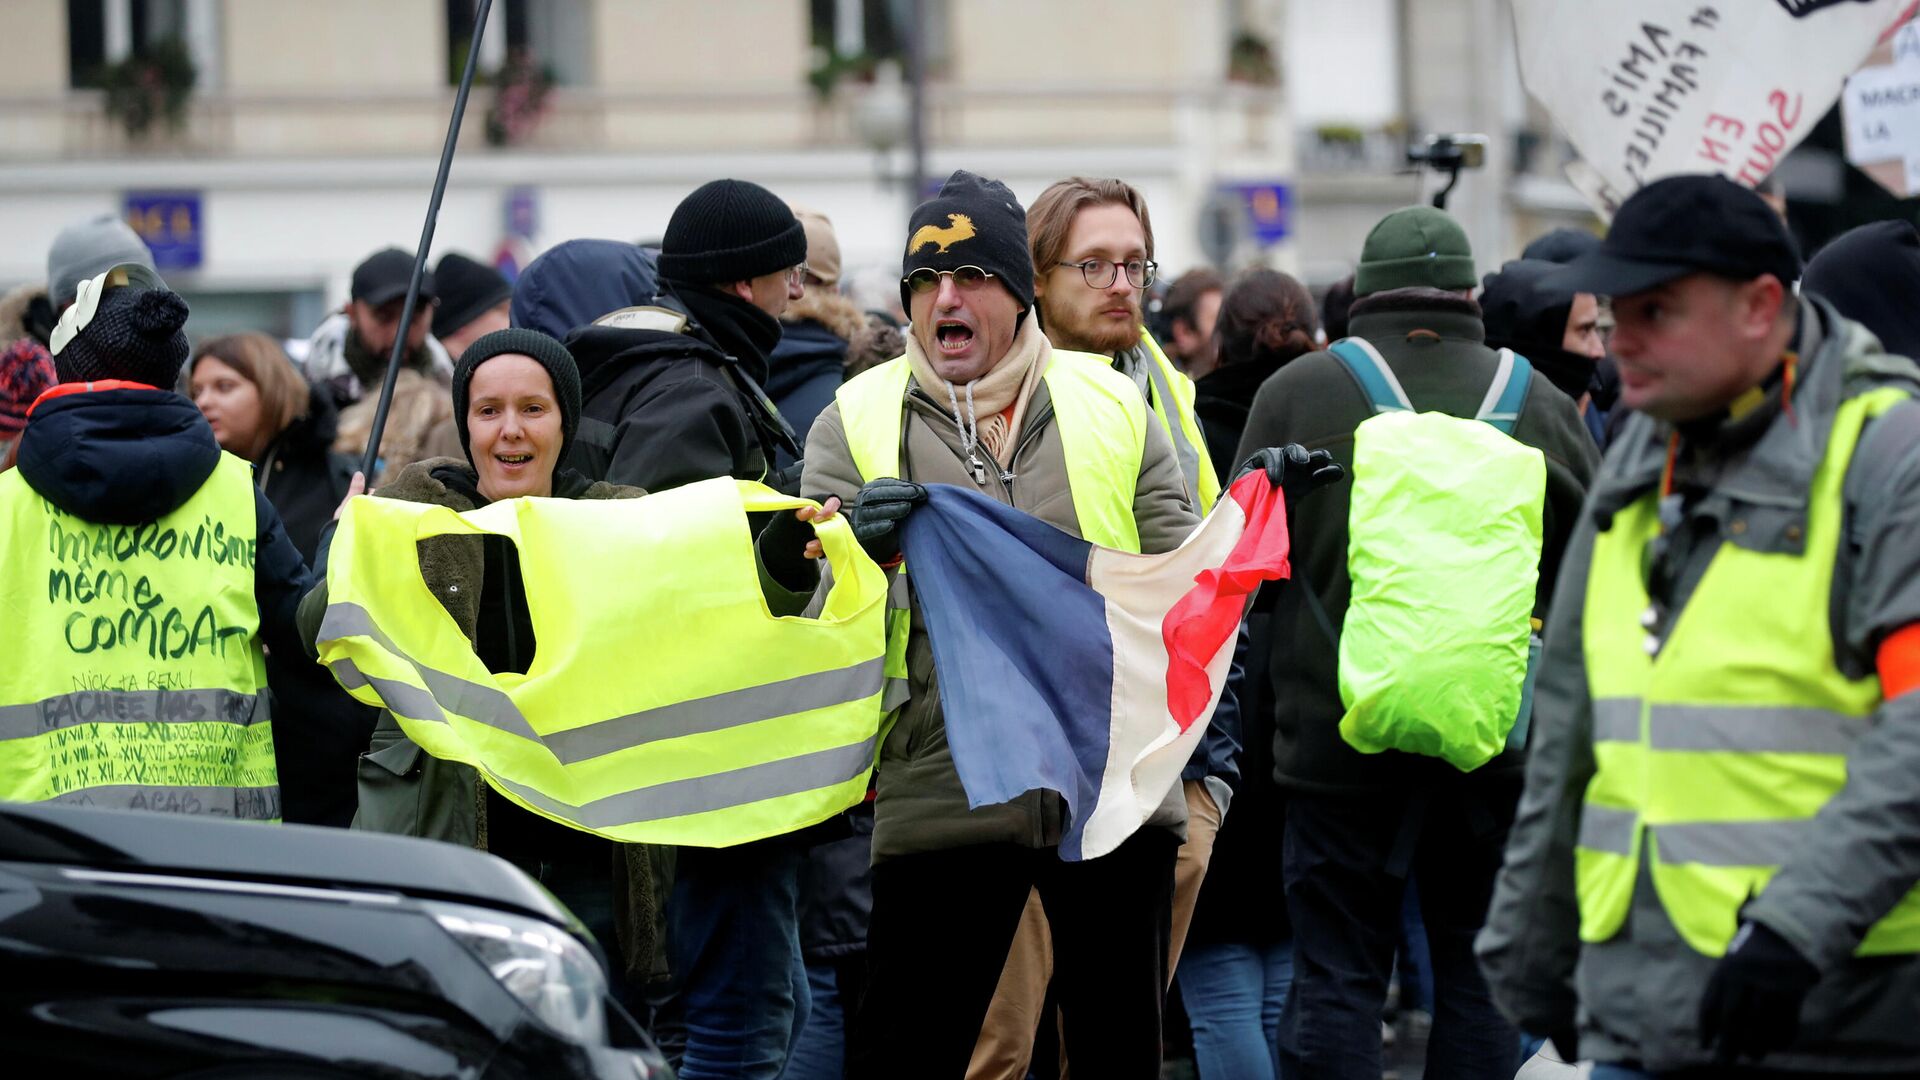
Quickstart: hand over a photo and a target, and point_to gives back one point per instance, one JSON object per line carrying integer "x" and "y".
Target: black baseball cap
{"x": 1684, "y": 225}
{"x": 384, "y": 276}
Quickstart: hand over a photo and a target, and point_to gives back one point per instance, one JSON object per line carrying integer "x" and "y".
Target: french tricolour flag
{"x": 1080, "y": 669}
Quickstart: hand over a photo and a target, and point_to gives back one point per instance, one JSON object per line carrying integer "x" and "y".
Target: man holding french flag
{"x": 1061, "y": 631}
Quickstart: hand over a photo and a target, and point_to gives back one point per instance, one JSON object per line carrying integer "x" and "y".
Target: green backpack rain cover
{"x": 1444, "y": 542}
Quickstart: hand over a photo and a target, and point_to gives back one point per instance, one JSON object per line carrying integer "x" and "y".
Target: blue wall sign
{"x": 1269, "y": 209}
{"x": 172, "y": 225}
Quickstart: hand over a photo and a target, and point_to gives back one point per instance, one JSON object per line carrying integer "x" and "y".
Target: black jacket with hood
{"x": 665, "y": 407}
{"x": 128, "y": 456}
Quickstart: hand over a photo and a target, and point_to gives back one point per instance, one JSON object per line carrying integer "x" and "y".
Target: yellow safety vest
{"x": 1102, "y": 422}
{"x": 664, "y": 703}
{"x": 1714, "y": 756}
{"x": 133, "y": 676}
{"x": 1173, "y": 404}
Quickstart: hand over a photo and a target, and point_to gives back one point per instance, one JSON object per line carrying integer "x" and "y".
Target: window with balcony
{"x": 550, "y": 35}
{"x": 852, "y": 39}
{"x": 102, "y": 34}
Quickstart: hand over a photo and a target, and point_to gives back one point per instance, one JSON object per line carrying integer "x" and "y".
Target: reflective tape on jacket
{"x": 1714, "y": 756}
{"x": 134, "y": 673}
{"x": 1173, "y": 403}
{"x": 660, "y": 707}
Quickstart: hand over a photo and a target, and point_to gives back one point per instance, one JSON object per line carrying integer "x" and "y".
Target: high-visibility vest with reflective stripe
{"x": 134, "y": 675}
{"x": 664, "y": 704}
{"x": 1714, "y": 756}
{"x": 1098, "y": 411}
{"x": 1173, "y": 404}
{"x": 1102, "y": 422}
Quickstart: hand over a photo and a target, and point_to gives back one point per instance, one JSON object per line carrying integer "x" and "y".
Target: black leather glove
{"x": 876, "y": 514}
{"x": 1752, "y": 1004}
{"x": 1293, "y": 470}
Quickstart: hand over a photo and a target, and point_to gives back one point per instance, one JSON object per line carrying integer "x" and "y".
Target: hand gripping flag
{"x": 1079, "y": 669}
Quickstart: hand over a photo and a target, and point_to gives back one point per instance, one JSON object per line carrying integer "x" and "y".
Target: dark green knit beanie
{"x": 1418, "y": 247}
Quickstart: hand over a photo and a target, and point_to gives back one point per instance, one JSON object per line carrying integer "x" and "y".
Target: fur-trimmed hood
{"x": 828, "y": 308}
{"x": 15, "y": 307}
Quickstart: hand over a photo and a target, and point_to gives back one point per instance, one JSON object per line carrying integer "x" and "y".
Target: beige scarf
{"x": 980, "y": 407}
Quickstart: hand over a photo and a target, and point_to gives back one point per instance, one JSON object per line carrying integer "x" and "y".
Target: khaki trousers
{"x": 1005, "y": 1048}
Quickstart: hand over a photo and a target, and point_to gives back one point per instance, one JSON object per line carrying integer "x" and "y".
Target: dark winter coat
{"x": 664, "y": 408}
{"x": 319, "y": 729}
{"x": 1221, "y": 401}
{"x": 130, "y": 456}
{"x": 302, "y": 475}
{"x": 808, "y": 365}
{"x": 1435, "y": 347}
{"x": 836, "y": 892}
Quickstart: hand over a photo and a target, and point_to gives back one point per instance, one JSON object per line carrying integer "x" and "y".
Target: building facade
{"x": 310, "y": 133}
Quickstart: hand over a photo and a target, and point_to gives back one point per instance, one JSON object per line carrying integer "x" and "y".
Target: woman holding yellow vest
{"x": 516, "y": 397}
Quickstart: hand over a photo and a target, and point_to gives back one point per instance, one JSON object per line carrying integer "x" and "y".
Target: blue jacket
{"x": 804, "y": 372}
{"x": 577, "y": 281}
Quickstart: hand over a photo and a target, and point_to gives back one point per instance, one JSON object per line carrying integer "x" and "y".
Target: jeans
{"x": 820, "y": 1053}
{"x": 1234, "y": 992}
{"x": 1345, "y": 863}
{"x": 733, "y": 944}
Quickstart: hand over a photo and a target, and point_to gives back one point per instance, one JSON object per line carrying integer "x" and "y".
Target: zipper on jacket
{"x": 1004, "y": 475}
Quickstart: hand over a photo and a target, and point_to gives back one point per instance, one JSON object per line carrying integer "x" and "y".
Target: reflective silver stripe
{"x": 486, "y": 705}
{"x": 129, "y": 707}
{"x": 1616, "y": 720}
{"x": 897, "y": 596}
{"x": 1189, "y": 454}
{"x": 1603, "y": 828}
{"x": 1730, "y": 843}
{"x": 716, "y": 791}
{"x": 1751, "y": 729}
{"x": 897, "y": 693}
{"x": 247, "y": 803}
{"x": 718, "y": 712}
{"x": 403, "y": 699}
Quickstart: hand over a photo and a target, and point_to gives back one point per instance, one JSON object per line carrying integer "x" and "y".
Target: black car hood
{"x": 118, "y": 457}
{"x": 287, "y": 854}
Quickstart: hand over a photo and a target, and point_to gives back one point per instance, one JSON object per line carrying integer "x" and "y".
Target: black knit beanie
{"x": 545, "y": 351}
{"x": 730, "y": 230}
{"x": 972, "y": 222}
{"x": 135, "y": 334}
{"x": 467, "y": 289}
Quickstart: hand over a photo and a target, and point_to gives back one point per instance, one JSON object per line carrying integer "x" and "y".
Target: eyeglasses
{"x": 1100, "y": 273}
{"x": 797, "y": 275}
{"x": 926, "y": 279}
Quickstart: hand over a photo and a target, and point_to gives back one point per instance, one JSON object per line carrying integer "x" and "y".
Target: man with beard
{"x": 348, "y": 352}
{"x": 1092, "y": 247}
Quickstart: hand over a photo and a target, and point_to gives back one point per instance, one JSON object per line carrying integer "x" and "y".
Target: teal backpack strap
{"x": 1501, "y": 406}
{"x": 1376, "y": 379}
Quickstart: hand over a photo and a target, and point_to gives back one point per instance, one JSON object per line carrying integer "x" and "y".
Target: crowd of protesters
{"x": 1297, "y": 885}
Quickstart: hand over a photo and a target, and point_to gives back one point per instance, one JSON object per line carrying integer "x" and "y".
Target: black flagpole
{"x": 426, "y": 242}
